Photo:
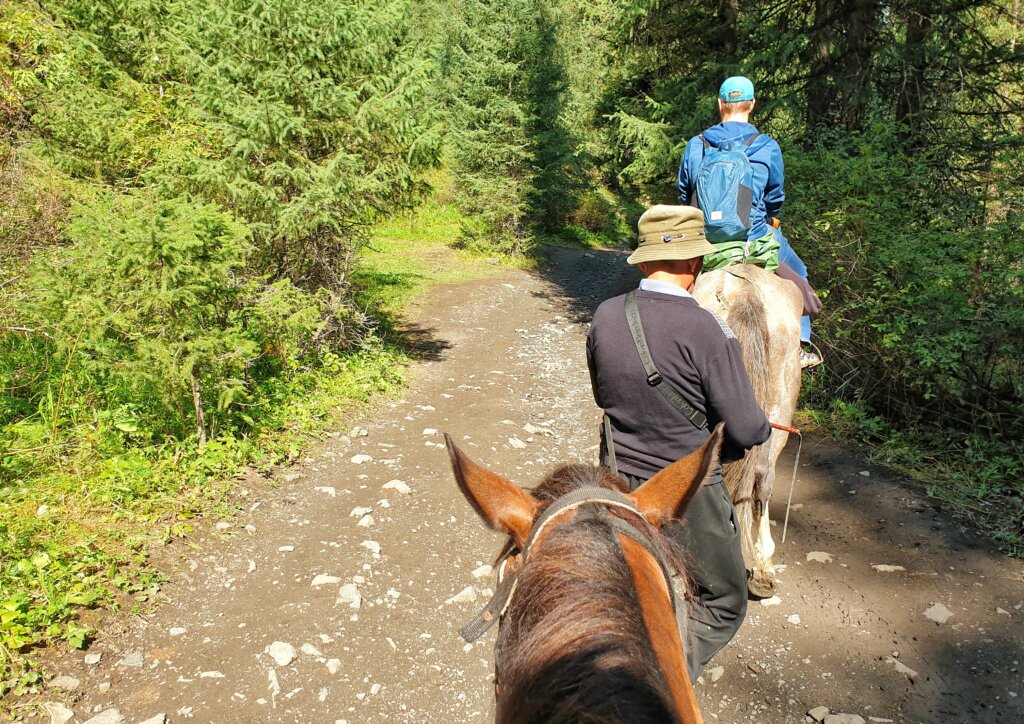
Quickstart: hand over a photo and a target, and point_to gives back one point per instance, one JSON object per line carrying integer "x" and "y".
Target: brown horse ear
{"x": 666, "y": 495}
{"x": 502, "y": 504}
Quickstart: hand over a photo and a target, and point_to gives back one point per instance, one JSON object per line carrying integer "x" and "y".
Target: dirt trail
{"x": 498, "y": 356}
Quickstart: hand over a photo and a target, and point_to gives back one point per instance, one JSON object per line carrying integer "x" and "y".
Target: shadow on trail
{"x": 965, "y": 668}
{"x": 420, "y": 342}
{"x": 585, "y": 278}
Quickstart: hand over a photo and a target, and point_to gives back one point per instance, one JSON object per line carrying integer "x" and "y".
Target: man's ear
{"x": 502, "y": 504}
{"x": 666, "y": 495}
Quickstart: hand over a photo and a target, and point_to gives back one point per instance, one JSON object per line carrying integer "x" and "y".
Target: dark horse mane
{"x": 573, "y": 646}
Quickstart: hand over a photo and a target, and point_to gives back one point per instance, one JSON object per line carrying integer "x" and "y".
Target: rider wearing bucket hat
{"x": 736, "y": 101}
{"x": 698, "y": 356}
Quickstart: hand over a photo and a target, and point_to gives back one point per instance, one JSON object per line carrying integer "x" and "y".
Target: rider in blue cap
{"x": 736, "y": 101}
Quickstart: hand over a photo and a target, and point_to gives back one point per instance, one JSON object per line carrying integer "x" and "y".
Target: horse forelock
{"x": 566, "y": 478}
{"x": 573, "y": 644}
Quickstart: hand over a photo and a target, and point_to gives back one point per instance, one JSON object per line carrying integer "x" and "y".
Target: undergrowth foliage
{"x": 923, "y": 324}
{"x": 185, "y": 188}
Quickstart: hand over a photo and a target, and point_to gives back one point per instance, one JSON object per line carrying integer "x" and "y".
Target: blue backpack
{"x": 724, "y": 190}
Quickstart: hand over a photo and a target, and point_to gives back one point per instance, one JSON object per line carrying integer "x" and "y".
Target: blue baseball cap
{"x": 736, "y": 89}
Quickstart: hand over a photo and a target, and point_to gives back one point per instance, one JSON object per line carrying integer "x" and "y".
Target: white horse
{"x": 763, "y": 311}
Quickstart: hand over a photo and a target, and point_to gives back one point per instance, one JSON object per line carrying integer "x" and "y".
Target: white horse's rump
{"x": 763, "y": 312}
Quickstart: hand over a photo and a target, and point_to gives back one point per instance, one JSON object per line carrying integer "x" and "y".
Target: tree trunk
{"x": 910, "y": 94}
{"x": 729, "y": 12}
{"x": 197, "y": 402}
{"x": 819, "y": 60}
{"x": 1016, "y": 22}
{"x": 854, "y": 83}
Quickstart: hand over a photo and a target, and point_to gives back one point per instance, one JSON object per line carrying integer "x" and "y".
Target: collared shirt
{"x": 655, "y": 285}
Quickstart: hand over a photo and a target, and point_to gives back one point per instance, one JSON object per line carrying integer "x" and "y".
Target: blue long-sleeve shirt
{"x": 765, "y": 159}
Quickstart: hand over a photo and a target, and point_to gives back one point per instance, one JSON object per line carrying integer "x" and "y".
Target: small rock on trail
{"x": 133, "y": 660}
{"x": 843, "y": 719}
{"x": 466, "y": 595}
{"x": 323, "y": 579}
{"x": 58, "y": 712}
{"x": 938, "y": 613}
{"x": 282, "y": 653}
{"x": 349, "y": 596}
{"x": 398, "y": 486}
{"x": 108, "y": 716}
{"x": 64, "y": 683}
{"x": 818, "y": 713}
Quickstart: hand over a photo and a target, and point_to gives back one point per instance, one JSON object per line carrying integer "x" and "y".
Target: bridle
{"x": 508, "y": 579}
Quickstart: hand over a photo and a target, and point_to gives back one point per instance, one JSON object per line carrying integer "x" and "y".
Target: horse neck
{"x": 574, "y": 644}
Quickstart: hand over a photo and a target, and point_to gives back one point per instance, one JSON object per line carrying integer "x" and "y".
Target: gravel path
{"x": 338, "y": 593}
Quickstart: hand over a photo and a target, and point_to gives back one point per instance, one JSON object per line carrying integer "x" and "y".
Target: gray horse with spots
{"x": 763, "y": 311}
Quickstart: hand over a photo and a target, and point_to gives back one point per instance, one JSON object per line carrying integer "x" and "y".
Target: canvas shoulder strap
{"x": 654, "y": 378}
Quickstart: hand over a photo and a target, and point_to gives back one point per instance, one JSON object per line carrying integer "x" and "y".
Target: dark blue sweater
{"x": 694, "y": 354}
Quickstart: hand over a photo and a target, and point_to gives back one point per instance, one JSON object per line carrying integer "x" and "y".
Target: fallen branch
{"x": 26, "y": 330}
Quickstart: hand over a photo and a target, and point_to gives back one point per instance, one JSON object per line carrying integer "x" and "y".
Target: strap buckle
{"x": 654, "y": 379}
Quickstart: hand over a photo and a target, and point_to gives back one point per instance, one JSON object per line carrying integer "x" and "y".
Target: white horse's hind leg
{"x": 762, "y": 571}
{"x": 765, "y": 546}
{"x": 762, "y": 574}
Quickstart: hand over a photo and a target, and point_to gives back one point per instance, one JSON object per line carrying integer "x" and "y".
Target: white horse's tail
{"x": 748, "y": 320}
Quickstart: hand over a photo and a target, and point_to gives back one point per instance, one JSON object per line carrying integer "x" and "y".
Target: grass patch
{"x": 412, "y": 251}
{"x": 579, "y": 237}
{"x": 431, "y": 223}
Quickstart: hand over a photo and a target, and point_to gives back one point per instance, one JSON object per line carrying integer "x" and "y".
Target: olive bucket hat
{"x": 671, "y": 233}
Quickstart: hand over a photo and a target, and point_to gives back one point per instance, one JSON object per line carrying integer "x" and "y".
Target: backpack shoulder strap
{"x": 654, "y": 378}
{"x": 750, "y": 140}
{"x": 704, "y": 141}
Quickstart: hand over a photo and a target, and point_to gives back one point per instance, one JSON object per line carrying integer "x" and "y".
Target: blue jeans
{"x": 788, "y": 257}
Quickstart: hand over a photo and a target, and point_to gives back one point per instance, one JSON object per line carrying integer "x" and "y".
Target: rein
{"x": 507, "y": 582}
{"x": 796, "y": 464}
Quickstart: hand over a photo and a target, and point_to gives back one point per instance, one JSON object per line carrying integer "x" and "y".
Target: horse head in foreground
{"x": 588, "y": 628}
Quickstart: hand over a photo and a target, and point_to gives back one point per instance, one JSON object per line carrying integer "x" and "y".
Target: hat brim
{"x": 672, "y": 251}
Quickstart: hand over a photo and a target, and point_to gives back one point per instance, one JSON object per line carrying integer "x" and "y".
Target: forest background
{"x": 188, "y": 191}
